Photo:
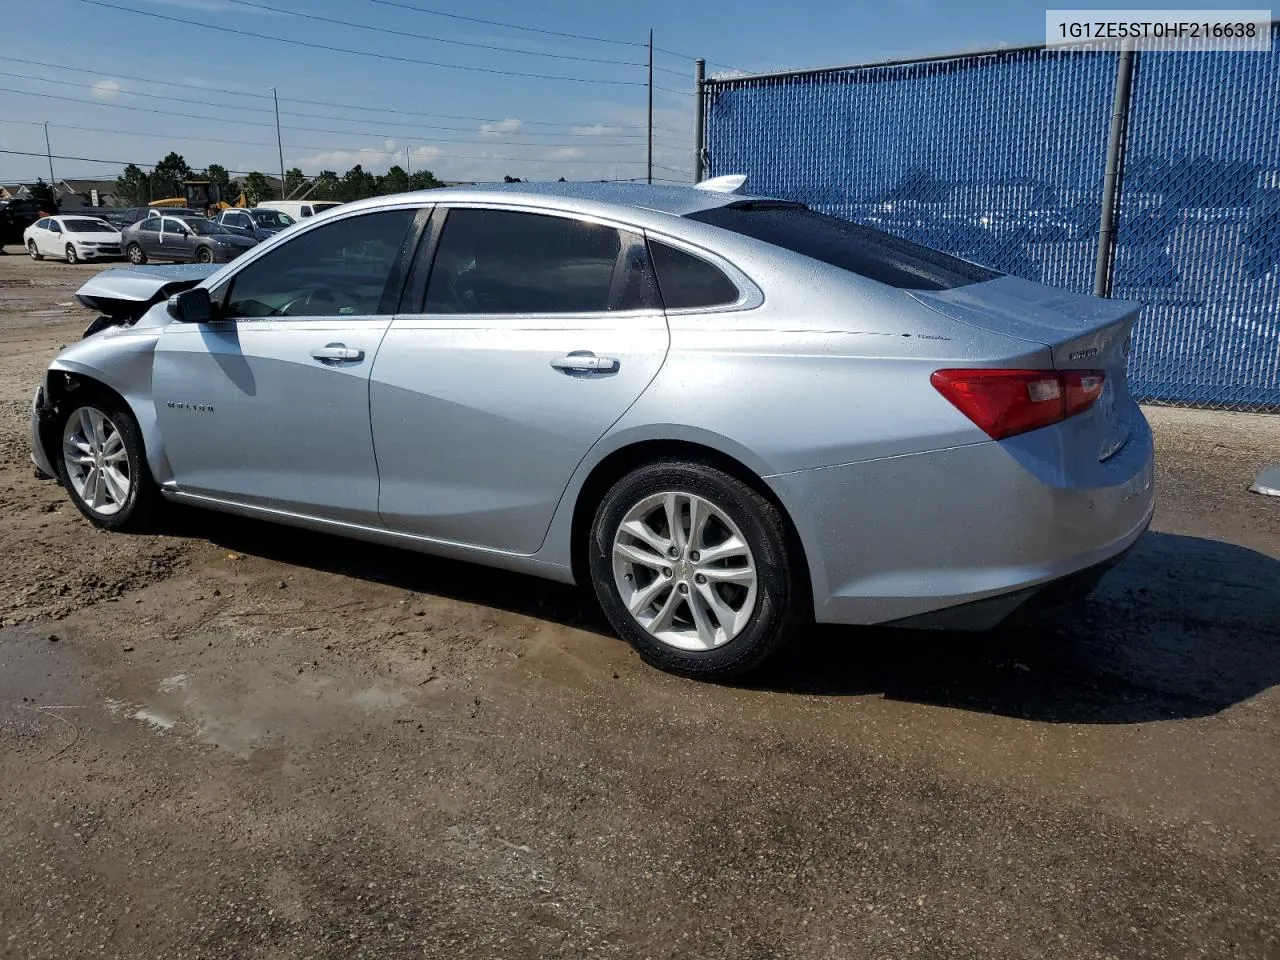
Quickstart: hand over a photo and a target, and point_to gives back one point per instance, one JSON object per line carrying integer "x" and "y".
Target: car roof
{"x": 629, "y": 201}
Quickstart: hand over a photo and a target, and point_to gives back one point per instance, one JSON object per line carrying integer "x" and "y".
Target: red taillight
{"x": 1006, "y": 402}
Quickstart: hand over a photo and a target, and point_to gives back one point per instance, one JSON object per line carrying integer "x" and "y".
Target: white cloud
{"x": 510, "y": 125}
{"x": 106, "y": 89}
{"x": 212, "y": 6}
{"x": 567, "y": 153}
{"x": 595, "y": 130}
{"x": 729, "y": 73}
{"x": 374, "y": 159}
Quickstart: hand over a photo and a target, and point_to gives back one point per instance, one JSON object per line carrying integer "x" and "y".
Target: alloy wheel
{"x": 684, "y": 571}
{"x": 31, "y": 249}
{"x": 71, "y": 254}
{"x": 96, "y": 461}
{"x": 136, "y": 255}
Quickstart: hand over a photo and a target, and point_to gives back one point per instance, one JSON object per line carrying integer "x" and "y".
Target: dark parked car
{"x": 254, "y": 222}
{"x": 15, "y": 217}
{"x": 183, "y": 238}
{"x": 131, "y": 215}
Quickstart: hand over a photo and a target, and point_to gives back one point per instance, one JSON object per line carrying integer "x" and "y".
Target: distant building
{"x": 72, "y": 195}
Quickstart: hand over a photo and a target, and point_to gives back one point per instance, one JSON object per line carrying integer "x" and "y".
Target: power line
{"x": 585, "y": 140}
{"x": 318, "y": 103}
{"x": 178, "y": 136}
{"x": 360, "y": 53}
{"x": 125, "y": 163}
{"x": 433, "y": 38}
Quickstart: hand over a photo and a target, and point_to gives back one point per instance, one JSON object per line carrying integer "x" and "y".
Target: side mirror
{"x": 191, "y": 306}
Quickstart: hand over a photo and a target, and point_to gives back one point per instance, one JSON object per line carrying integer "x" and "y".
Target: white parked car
{"x": 299, "y": 209}
{"x": 72, "y": 238}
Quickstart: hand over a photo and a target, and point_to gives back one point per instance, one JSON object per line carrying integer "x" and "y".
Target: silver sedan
{"x": 729, "y": 415}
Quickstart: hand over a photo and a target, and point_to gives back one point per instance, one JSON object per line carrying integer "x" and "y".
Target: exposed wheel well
{"x": 61, "y": 387}
{"x": 621, "y": 462}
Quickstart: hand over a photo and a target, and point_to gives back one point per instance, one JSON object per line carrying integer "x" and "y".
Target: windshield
{"x": 271, "y": 219}
{"x": 85, "y": 225}
{"x": 205, "y": 227}
{"x": 850, "y": 246}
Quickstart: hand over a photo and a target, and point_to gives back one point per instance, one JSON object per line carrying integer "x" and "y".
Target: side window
{"x": 306, "y": 211}
{"x": 339, "y": 269}
{"x": 150, "y": 224}
{"x": 687, "y": 281}
{"x": 499, "y": 261}
{"x": 43, "y": 223}
{"x": 55, "y": 226}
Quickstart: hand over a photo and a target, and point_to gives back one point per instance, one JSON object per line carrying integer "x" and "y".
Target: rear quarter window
{"x": 849, "y": 246}
{"x": 686, "y": 281}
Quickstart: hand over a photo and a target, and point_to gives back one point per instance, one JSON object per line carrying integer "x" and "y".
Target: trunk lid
{"x": 1081, "y": 332}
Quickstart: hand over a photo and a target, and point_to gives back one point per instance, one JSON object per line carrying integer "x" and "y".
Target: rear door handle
{"x": 337, "y": 353}
{"x": 584, "y": 361}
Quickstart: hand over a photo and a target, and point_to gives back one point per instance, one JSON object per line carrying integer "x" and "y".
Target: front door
{"x": 177, "y": 240}
{"x": 269, "y": 405}
{"x": 536, "y": 334}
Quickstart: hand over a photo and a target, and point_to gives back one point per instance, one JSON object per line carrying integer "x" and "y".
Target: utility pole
{"x": 48, "y": 152}
{"x": 408, "y": 167}
{"x": 650, "y": 154}
{"x": 279, "y": 145}
{"x": 699, "y": 119}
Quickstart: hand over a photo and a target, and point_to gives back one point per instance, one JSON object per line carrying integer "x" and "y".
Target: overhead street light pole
{"x": 279, "y": 145}
{"x": 48, "y": 152}
{"x": 650, "y": 153}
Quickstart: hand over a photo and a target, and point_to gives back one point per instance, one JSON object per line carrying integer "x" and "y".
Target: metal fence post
{"x": 1104, "y": 271}
{"x": 699, "y": 119}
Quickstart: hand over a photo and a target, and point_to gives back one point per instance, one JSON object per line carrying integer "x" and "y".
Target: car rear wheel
{"x": 136, "y": 253}
{"x": 103, "y": 466}
{"x": 693, "y": 568}
{"x": 204, "y": 255}
{"x": 72, "y": 257}
{"x": 31, "y": 249}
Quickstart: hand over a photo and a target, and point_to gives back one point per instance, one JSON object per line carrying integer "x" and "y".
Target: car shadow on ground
{"x": 1182, "y": 627}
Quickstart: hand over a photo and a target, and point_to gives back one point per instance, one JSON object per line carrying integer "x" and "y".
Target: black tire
{"x": 780, "y": 607}
{"x": 31, "y": 249}
{"x": 142, "y": 503}
{"x": 71, "y": 254}
{"x": 204, "y": 255}
{"x": 136, "y": 254}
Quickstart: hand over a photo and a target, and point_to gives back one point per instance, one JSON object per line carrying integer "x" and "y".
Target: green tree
{"x": 293, "y": 181}
{"x": 395, "y": 181}
{"x": 167, "y": 177}
{"x": 423, "y": 180}
{"x": 133, "y": 187}
{"x": 257, "y": 187}
{"x": 326, "y": 186}
{"x": 43, "y": 194}
{"x": 358, "y": 183}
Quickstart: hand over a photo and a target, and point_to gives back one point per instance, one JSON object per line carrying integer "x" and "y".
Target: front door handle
{"x": 584, "y": 361}
{"x": 337, "y": 353}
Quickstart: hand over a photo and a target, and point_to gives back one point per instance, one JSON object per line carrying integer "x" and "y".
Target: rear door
{"x": 532, "y": 336}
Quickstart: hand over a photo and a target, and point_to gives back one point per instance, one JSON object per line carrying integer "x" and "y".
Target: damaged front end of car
{"x": 123, "y": 295}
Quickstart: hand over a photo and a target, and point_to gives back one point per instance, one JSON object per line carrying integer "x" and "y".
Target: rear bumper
{"x": 985, "y": 614}
{"x": 896, "y": 539}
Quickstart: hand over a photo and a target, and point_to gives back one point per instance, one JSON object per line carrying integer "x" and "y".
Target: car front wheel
{"x": 102, "y": 463}
{"x": 204, "y": 255}
{"x": 35, "y": 253}
{"x": 693, "y": 567}
{"x": 72, "y": 257}
{"x": 136, "y": 254}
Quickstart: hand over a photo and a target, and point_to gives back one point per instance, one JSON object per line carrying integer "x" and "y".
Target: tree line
{"x": 136, "y": 188}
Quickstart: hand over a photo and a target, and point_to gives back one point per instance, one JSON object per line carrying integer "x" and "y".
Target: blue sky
{"x": 340, "y": 108}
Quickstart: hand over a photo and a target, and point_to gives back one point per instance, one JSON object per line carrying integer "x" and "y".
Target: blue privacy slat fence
{"x": 1000, "y": 157}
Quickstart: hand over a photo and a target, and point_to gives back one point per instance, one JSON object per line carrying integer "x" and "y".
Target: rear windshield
{"x": 850, "y": 246}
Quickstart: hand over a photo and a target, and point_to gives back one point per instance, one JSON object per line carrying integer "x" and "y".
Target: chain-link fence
{"x": 1001, "y": 157}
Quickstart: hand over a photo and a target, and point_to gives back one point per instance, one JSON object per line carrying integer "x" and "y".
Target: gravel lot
{"x": 238, "y": 740}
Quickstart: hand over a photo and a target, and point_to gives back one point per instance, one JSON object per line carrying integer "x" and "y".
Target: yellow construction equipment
{"x": 202, "y": 195}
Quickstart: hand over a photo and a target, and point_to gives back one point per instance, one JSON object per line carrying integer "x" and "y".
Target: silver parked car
{"x": 728, "y": 414}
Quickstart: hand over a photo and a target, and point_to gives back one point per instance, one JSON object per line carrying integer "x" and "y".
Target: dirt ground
{"x": 237, "y": 740}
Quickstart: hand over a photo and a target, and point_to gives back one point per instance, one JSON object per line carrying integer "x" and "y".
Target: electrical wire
{"x": 360, "y": 53}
